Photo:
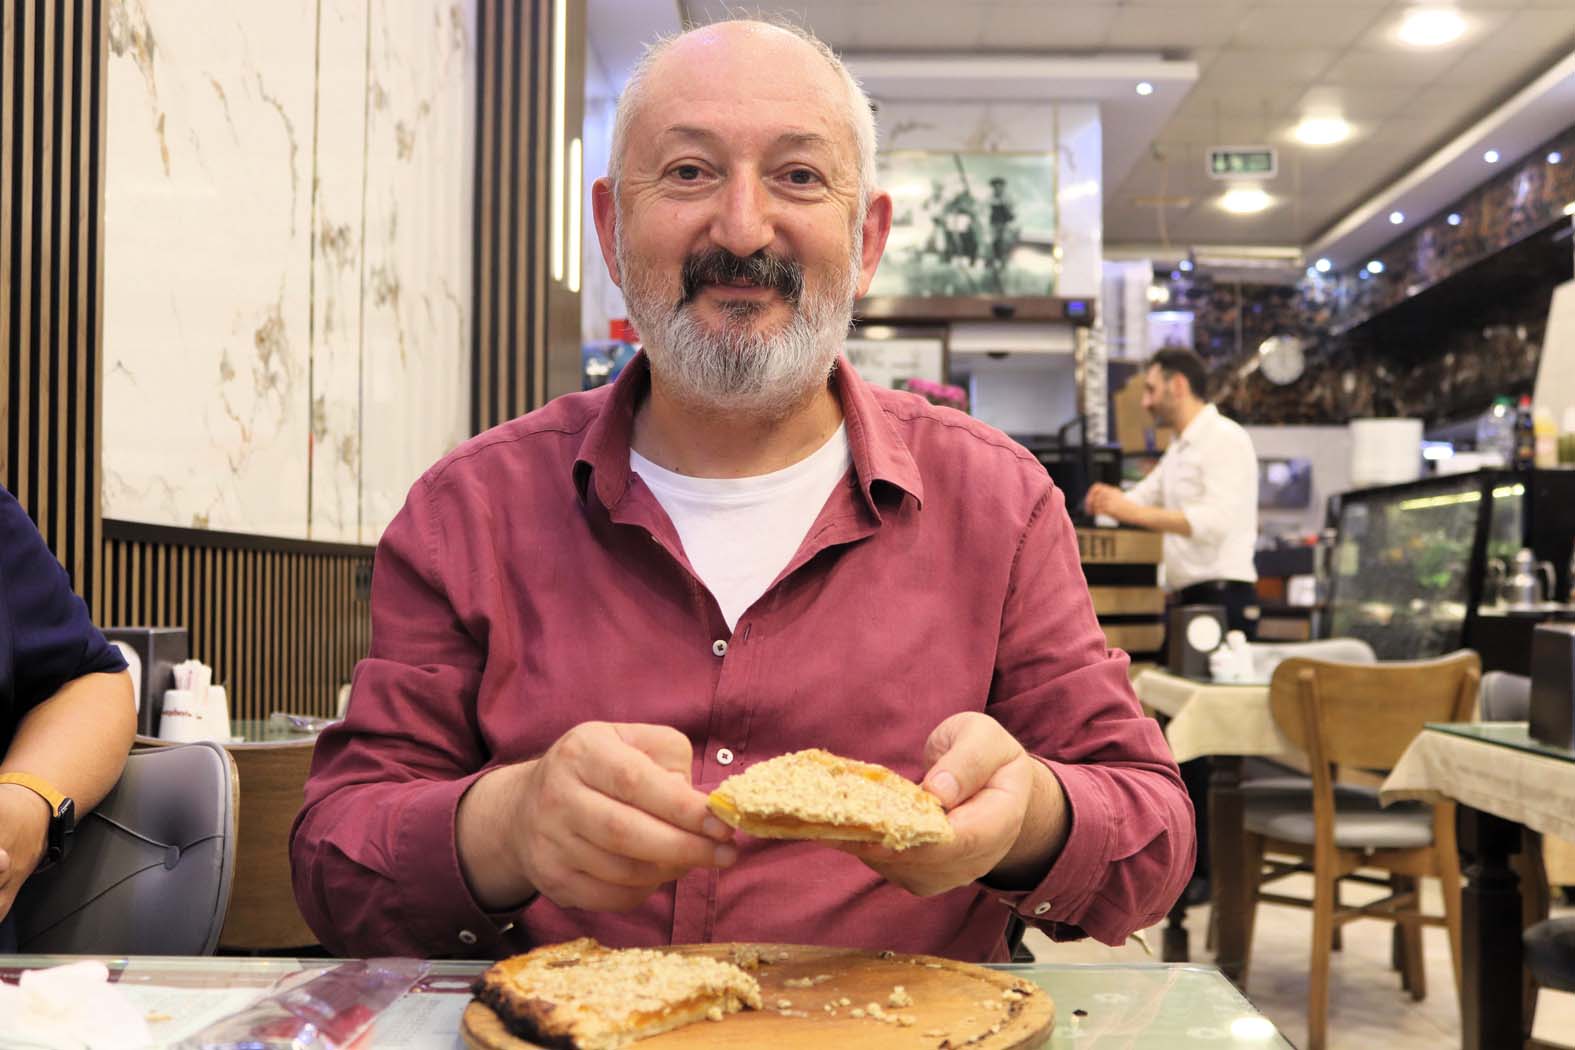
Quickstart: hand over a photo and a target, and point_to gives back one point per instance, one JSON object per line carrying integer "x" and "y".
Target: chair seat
{"x": 1361, "y": 826}
{"x": 1550, "y": 953}
{"x": 1300, "y": 788}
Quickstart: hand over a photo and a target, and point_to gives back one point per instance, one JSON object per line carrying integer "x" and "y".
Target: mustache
{"x": 720, "y": 266}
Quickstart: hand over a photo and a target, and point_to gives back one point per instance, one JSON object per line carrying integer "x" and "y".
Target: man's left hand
{"x": 1109, "y": 500}
{"x": 24, "y": 823}
{"x": 991, "y": 789}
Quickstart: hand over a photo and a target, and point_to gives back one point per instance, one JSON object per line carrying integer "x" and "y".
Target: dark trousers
{"x": 1240, "y": 600}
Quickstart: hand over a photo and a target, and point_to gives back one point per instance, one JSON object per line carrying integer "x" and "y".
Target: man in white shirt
{"x": 1203, "y": 496}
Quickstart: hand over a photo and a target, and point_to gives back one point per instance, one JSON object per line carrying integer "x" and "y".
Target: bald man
{"x": 587, "y": 618}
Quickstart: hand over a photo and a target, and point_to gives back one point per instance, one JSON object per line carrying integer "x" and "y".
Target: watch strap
{"x": 38, "y": 786}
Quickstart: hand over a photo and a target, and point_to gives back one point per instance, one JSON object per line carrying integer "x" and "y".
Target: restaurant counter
{"x": 1122, "y": 567}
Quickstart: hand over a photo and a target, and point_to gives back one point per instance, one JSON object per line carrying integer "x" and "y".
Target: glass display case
{"x": 1409, "y": 570}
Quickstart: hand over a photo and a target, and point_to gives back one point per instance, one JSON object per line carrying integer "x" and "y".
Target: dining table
{"x": 1503, "y": 779}
{"x": 1225, "y": 721}
{"x": 1148, "y": 1006}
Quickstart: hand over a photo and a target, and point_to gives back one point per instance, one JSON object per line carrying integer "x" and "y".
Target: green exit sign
{"x": 1238, "y": 162}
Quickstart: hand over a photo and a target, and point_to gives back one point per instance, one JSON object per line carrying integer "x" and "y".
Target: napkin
{"x": 71, "y": 1006}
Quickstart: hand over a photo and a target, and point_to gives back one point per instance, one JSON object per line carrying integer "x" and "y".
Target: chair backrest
{"x": 1266, "y": 656}
{"x": 263, "y": 915}
{"x": 1365, "y": 715}
{"x": 1505, "y": 697}
{"x": 150, "y": 868}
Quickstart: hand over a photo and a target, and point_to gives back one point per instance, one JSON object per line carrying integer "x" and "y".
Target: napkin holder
{"x": 159, "y": 649}
{"x": 1193, "y": 632}
{"x": 1553, "y": 685}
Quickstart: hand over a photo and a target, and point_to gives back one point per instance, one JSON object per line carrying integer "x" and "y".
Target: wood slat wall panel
{"x": 51, "y": 94}
{"x": 513, "y": 294}
{"x": 282, "y": 628}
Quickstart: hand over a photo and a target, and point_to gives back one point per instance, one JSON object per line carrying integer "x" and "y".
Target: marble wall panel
{"x": 337, "y": 264}
{"x": 420, "y": 132}
{"x": 287, "y": 263}
{"x": 207, "y": 212}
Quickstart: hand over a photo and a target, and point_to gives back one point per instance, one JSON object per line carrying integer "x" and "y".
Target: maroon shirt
{"x": 532, "y": 582}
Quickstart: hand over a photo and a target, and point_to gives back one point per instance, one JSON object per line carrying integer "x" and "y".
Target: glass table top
{"x": 1142, "y": 1007}
{"x": 1515, "y": 735}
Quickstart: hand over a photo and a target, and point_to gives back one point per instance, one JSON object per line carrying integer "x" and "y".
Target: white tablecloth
{"x": 1207, "y": 718}
{"x": 1531, "y": 789}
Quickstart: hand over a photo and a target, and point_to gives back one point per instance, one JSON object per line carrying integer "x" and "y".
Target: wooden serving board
{"x": 956, "y": 1006}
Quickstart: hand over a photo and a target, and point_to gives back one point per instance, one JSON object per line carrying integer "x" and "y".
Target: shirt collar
{"x": 880, "y": 458}
{"x": 1200, "y": 423}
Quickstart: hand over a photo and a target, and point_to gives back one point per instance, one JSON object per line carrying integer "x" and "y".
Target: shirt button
{"x": 1041, "y": 907}
{"x": 724, "y": 757}
{"x": 466, "y": 937}
{"x": 719, "y": 647}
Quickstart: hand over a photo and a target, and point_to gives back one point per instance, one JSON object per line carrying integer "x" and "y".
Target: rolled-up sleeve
{"x": 373, "y": 851}
{"x": 1067, "y": 699}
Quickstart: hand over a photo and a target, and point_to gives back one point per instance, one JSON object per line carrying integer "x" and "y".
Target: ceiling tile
{"x": 1159, "y": 26}
{"x": 1019, "y": 26}
{"x": 1265, "y": 65}
{"x": 1304, "y": 25}
{"x": 895, "y": 25}
{"x": 1389, "y": 67}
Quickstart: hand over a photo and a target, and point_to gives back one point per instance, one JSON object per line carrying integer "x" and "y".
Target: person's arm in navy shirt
{"x": 66, "y": 708}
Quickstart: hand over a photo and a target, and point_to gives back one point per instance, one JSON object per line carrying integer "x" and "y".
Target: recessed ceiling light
{"x": 1491, "y": 156}
{"x": 1555, "y": 157}
{"x": 1321, "y": 131}
{"x": 1323, "y": 266}
{"x": 1185, "y": 266}
{"x": 1145, "y": 88}
{"x": 1454, "y": 218}
{"x": 1432, "y": 26}
{"x": 1396, "y": 217}
{"x": 1375, "y": 267}
{"x": 1245, "y": 200}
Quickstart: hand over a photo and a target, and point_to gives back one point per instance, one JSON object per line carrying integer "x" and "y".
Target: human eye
{"x": 686, "y": 171}
{"x": 803, "y": 177}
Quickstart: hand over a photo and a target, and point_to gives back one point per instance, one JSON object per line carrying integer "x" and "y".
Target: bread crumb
{"x": 783, "y": 1004}
{"x": 798, "y": 982}
{"x": 714, "y": 1014}
{"x": 899, "y": 997}
{"x": 933, "y": 1033}
{"x": 907, "y": 1020}
{"x": 844, "y": 1001}
{"x": 858, "y": 1011}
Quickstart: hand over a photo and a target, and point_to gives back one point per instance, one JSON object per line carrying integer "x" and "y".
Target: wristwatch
{"x": 62, "y": 815}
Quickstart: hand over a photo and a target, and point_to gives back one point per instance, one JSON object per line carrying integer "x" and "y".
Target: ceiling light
{"x": 1454, "y": 218}
{"x": 1431, "y": 26}
{"x": 1491, "y": 156}
{"x": 1569, "y": 209}
{"x": 1323, "y": 266}
{"x": 1396, "y": 218}
{"x": 1245, "y": 200}
{"x": 1185, "y": 266}
{"x": 1145, "y": 88}
{"x": 1321, "y": 131}
{"x": 1375, "y": 267}
{"x": 1555, "y": 157}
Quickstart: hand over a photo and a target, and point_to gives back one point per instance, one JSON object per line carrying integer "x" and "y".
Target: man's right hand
{"x": 599, "y": 822}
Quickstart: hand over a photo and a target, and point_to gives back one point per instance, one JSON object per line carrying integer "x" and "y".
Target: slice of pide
{"x": 580, "y": 995}
{"x": 815, "y": 794}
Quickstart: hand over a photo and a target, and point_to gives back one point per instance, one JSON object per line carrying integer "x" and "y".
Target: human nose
{"x": 743, "y": 223}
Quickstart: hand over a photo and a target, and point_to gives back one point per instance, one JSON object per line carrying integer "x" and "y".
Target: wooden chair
{"x": 263, "y": 916}
{"x": 1363, "y": 717}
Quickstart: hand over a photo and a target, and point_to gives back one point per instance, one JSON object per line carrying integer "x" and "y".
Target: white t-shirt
{"x": 1210, "y": 474}
{"x": 740, "y": 533}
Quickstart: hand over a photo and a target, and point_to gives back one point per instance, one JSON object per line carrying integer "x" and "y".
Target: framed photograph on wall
{"x": 969, "y": 224}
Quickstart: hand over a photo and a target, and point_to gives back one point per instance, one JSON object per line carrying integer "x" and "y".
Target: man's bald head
{"x": 764, "y": 42}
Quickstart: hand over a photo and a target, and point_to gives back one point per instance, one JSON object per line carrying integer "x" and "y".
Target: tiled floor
{"x": 1367, "y": 1008}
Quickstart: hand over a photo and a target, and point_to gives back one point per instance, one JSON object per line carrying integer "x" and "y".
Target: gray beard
{"x": 734, "y": 370}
